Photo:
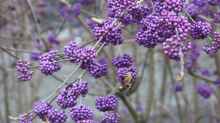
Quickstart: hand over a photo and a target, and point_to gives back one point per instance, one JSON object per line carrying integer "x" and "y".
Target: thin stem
{"x": 151, "y": 86}
{"x": 129, "y": 106}
{"x": 176, "y": 96}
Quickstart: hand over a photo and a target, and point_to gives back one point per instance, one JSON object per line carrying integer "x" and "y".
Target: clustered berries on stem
{"x": 171, "y": 24}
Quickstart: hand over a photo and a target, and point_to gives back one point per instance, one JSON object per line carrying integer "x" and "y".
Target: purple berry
{"x": 174, "y": 5}
{"x": 200, "y": 30}
{"x": 66, "y": 97}
{"x": 204, "y": 90}
{"x": 69, "y": 12}
{"x": 98, "y": 68}
{"x": 111, "y": 117}
{"x": 86, "y": 121}
{"x": 107, "y": 103}
{"x": 23, "y": 70}
{"x": 81, "y": 112}
{"x": 48, "y": 63}
{"x": 80, "y": 87}
{"x": 25, "y": 118}
{"x": 116, "y": 9}
{"x": 56, "y": 116}
{"x": 124, "y": 60}
{"x": 35, "y": 56}
{"x": 77, "y": 54}
{"x": 108, "y": 32}
{"x": 178, "y": 87}
{"x": 52, "y": 39}
{"x": 41, "y": 108}
{"x": 174, "y": 45}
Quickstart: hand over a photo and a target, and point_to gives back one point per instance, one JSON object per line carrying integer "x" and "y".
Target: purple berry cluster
{"x": 48, "y": 113}
{"x": 107, "y": 32}
{"x": 124, "y": 60}
{"x": 48, "y": 63}
{"x": 111, "y": 117}
{"x": 81, "y": 113}
{"x": 125, "y": 68}
{"x": 127, "y": 11}
{"x": 23, "y": 70}
{"x": 78, "y": 54}
{"x": 173, "y": 46}
{"x": 67, "y": 97}
{"x": 25, "y": 118}
{"x": 214, "y": 46}
{"x": 98, "y": 68}
{"x": 56, "y": 116}
{"x": 107, "y": 103}
{"x": 200, "y": 30}
{"x": 41, "y": 108}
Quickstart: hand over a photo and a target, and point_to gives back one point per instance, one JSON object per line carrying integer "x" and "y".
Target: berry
{"x": 147, "y": 38}
{"x": 107, "y": 103}
{"x": 48, "y": 63}
{"x": 204, "y": 90}
{"x": 86, "y": 121}
{"x": 52, "y": 39}
{"x": 200, "y": 30}
{"x": 117, "y": 8}
{"x": 98, "y": 68}
{"x": 108, "y": 32}
{"x": 41, "y": 108}
{"x": 214, "y": 46}
{"x": 69, "y": 12}
{"x": 80, "y": 88}
{"x": 124, "y": 60}
{"x": 35, "y": 56}
{"x": 56, "y": 116}
{"x": 174, "y": 45}
{"x": 111, "y": 117}
{"x": 174, "y": 5}
{"x": 77, "y": 54}
{"x": 23, "y": 70}
{"x": 25, "y": 118}
{"x": 66, "y": 98}
{"x": 81, "y": 112}
{"x": 178, "y": 87}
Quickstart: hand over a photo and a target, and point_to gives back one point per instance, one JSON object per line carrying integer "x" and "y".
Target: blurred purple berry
{"x": 35, "y": 56}
{"x": 23, "y": 70}
{"x": 107, "y": 103}
{"x": 81, "y": 112}
{"x": 86, "y": 121}
{"x": 178, "y": 87}
{"x": 204, "y": 90}
{"x": 52, "y": 39}
{"x": 70, "y": 12}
